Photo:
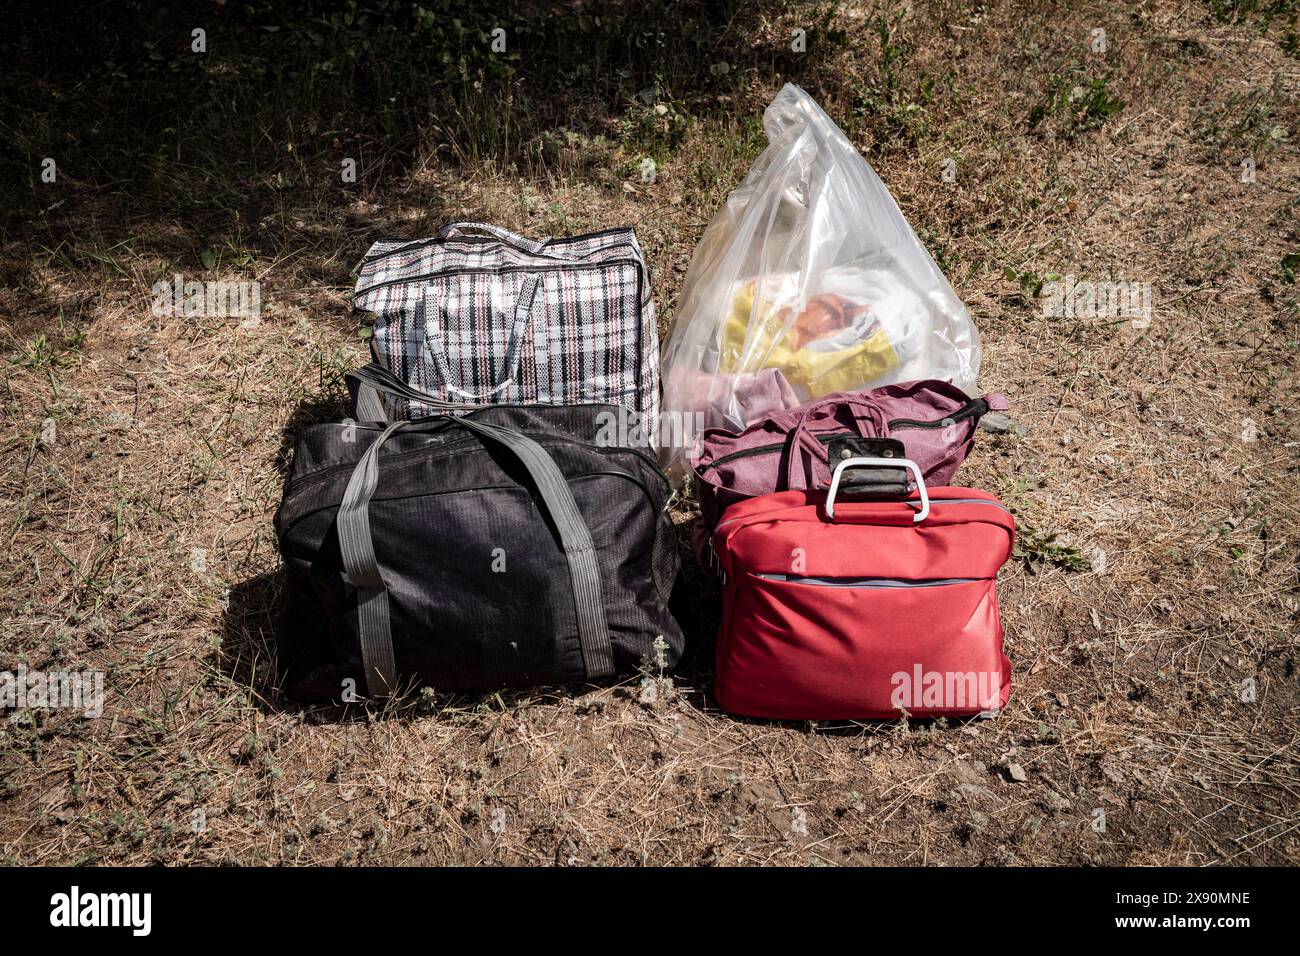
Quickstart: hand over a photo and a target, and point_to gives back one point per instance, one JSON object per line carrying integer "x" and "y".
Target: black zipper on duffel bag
{"x": 557, "y": 266}
{"x": 824, "y": 437}
{"x": 976, "y": 407}
{"x": 469, "y": 441}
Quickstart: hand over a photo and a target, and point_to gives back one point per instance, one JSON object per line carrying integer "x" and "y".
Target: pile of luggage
{"x": 496, "y": 514}
{"x": 471, "y": 529}
{"x": 478, "y": 524}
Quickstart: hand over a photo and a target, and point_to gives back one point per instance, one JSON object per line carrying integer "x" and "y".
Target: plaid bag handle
{"x": 534, "y": 247}
{"x": 436, "y": 346}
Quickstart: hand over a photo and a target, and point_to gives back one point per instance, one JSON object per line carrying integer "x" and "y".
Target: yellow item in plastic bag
{"x": 818, "y": 371}
{"x": 763, "y": 352}
{"x": 846, "y": 369}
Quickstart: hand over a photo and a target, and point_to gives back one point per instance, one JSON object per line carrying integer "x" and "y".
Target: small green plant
{"x": 901, "y": 105}
{"x": 214, "y": 259}
{"x": 1038, "y": 549}
{"x": 1030, "y": 282}
{"x": 656, "y": 685}
{"x": 653, "y": 131}
{"x": 1290, "y": 263}
{"x": 833, "y": 35}
{"x": 714, "y": 164}
{"x": 41, "y": 353}
{"x": 1262, "y": 12}
{"x": 1085, "y": 103}
{"x": 944, "y": 253}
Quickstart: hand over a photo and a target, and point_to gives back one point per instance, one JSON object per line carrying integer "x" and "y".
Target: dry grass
{"x": 171, "y": 437}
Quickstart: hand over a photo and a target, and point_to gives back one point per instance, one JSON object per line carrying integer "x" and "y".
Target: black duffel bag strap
{"x": 357, "y": 548}
{"x": 575, "y": 539}
{"x": 362, "y": 567}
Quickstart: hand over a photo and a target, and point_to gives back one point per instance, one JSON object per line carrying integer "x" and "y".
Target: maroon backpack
{"x": 929, "y": 422}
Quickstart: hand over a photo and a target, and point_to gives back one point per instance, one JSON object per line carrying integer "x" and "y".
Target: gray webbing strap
{"x": 362, "y": 566}
{"x": 369, "y": 407}
{"x": 523, "y": 313}
{"x": 357, "y": 549}
{"x": 575, "y": 539}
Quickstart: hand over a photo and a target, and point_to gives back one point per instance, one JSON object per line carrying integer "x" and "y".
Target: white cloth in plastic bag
{"x": 810, "y": 270}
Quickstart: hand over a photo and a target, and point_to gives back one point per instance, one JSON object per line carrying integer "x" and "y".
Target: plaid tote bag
{"x": 479, "y": 315}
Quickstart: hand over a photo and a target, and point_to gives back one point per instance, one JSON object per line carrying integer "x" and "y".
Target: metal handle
{"x": 876, "y": 463}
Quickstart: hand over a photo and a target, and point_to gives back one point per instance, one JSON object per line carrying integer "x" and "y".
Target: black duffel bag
{"x": 507, "y": 547}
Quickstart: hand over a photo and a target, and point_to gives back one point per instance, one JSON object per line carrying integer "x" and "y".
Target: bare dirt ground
{"x": 1154, "y": 712}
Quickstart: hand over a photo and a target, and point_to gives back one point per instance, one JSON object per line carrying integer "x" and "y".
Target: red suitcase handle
{"x": 876, "y": 463}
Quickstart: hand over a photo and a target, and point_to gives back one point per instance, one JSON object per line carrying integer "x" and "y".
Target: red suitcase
{"x": 840, "y": 609}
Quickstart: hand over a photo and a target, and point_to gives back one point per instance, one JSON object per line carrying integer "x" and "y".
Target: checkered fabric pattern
{"x": 449, "y": 319}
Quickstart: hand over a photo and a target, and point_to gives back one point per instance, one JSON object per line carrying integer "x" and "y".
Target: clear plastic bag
{"x": 808, "y": 281}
